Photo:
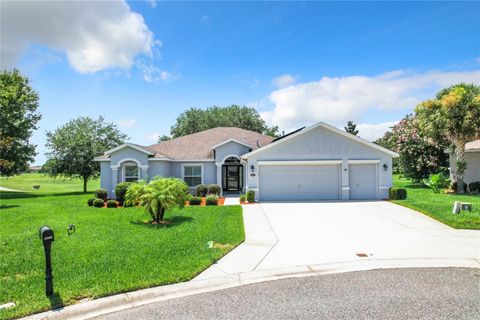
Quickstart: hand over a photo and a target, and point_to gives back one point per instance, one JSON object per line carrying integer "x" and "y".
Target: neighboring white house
{"x": 472, "y": 155}
{"x": 320, "y": 162}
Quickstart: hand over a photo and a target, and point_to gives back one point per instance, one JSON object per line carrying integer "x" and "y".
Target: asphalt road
{"x": 433, "y": 293}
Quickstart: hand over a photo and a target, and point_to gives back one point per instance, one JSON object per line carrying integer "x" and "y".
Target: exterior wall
{"x": 227, "y": 150}
{"x": 128, "y": 153}
{"x": 324, "y": 144}
{"x": 472, "y": 173}
{"x": 159, "y": 168}
{"x": 106, "y": 176}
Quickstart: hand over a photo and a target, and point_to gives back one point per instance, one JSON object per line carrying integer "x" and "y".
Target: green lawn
{"x": 113, "y": 250}
{"x": 439, "y": 205}
{"x": 26, "y": 181}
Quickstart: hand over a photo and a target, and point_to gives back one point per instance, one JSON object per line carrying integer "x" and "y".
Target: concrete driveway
{"x": 369, "y": 234}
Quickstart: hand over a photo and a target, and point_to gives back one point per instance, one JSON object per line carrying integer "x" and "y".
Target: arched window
{"x": 130, "y": 172}
{"x": 232, "y": 161}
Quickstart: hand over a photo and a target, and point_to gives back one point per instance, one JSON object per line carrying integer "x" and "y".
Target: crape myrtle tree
{"x": 159, "y": 195}
{"x": 195, "y": 120}
{"x": 18, "y": 119}
{"x": 351, "y": 128}
{"x": 73, "y": 146}
{"x": 454, "y": 114}
{"x": 419, "y": 154}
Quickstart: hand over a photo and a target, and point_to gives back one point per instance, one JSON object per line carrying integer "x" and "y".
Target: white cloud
{"x": 284, "y": 81}
{"x": 152, "y": 3}
{"x": 151, "y": 73}
{"x": 153, "y": 137}
{"x": 340, "y": 99}
{"x": 372, "y": 132}
{"x": 94, "y": 35}
{"x": 127, "y": 123}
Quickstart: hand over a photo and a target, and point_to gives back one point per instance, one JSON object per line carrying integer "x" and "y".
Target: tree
{"x": 455, "y": 115}
{"x": 351, "y": 128}
{"x": 18, "y": 119}
{"x": 164, "y": 138}
{"x": 74, "y": 145}
{"x": 420, "y": 155}
{"x": 195, "y": 120}
{"x": 158, "y": 196}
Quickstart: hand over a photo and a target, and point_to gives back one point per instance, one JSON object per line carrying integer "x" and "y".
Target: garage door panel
{"x": 299, "y": 182}
{"x": 363, "y": 181}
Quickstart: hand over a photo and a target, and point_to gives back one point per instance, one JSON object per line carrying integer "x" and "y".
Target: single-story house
{"x": 472, "y": 155}
{"x": 320, "y": 162}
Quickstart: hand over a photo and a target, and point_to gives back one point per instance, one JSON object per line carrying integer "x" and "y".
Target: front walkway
{"x": 367, "y": 234}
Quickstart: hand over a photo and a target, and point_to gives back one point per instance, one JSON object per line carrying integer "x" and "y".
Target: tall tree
{"x": 18, "y": 119}
{"x": 351, "y": 128}
{"x": 195, "y": 120}
{"x": 420, "y": 155}
{"x": 455, "y": 115}
{"x": 73, "y": 146}
{"x": 164, "y": 138}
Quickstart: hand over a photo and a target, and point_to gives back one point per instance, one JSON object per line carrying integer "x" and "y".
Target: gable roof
{"x": 199, "y": 145}
{"x": 328, "y": 127}
{"x": 472, "y": 145}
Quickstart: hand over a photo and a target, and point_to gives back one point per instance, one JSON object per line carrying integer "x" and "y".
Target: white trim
{"x": 384, "y": 187}
{"x": 101, "y": 159}
{"x": 231, "y": 156}
{"x": 231, "y": 140}
{"x": 193, "y": 165}
{"x": 363, "y": 161}
{"x": 185, "y": 160}
{"x": 131, "y": 146}
{"x": 345, "y": 188}
{"x": 328, "y": 127}
{"x": 299, "y": 162}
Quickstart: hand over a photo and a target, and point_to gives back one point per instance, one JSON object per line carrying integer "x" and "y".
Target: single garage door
{"x": 299, "y": 182}
{"x": 363, "y": 181}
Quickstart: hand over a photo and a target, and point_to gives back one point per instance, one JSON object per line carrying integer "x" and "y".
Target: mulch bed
{"x": 221, "y": 201}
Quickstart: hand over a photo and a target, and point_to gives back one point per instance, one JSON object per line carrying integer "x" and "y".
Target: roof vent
{"x": 258, "y": 142}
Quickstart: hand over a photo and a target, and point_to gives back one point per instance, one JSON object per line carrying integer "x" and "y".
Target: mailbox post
{"x": 46, "y": 234}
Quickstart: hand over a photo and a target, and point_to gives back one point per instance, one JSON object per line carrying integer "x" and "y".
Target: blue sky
{"x": 140, "y": 64}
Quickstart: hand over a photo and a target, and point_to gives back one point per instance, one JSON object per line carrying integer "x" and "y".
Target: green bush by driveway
{"x": 112, "y": 251}
{"x": 439, "y": 205}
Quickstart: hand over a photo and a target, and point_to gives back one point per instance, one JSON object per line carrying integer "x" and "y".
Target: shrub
{"x": 454, "y": 186}
{"x": 474, "y": 186}
{"x": 101, "y": 194}
{"x": 214, "y": 189}
{"x": 251, "y": 196}
{"x": 195, "y": 201}
{"x": 211, "y": 201}
{"x": 397, "y": 194}
{"x": 243, "y": 198}
{"x": 437, "y": 181}
{"x": 90, "y": 201}
{"x": 201, "y": 190}
{"x": 99, "y": 203}
{"x": 112, "y": 204}
{"x": 121, "y": 190}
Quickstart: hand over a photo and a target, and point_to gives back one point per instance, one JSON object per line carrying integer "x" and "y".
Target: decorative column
{"x": 219, "y": 176}
{"x": 114, "y": 180}
{"x": 144, "y": 174}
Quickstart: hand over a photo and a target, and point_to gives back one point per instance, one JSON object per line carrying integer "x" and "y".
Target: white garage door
{"x": 299, "y": 182}
{"x": 363, "y": 181}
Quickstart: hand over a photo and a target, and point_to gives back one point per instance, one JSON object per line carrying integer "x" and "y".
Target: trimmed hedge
{"x": 454, "y": 186}
{"x": 195, "y": 201}
{"x": 251, "y": 196}
{"x": 112, "y": 204}
{"x": 201, "y": 190}
{"x": 474, "y": 186}
{"x": 101, "y": 194}
{"x": 90, "y": 201}
{"x": 121, "y": 190}
{"x": 243, "y": 198}
{"x": 211, "y": 201}
{"x": 99, "y": 203}
{"x": 397, "y": 194}
{"x": 214, "y": 189}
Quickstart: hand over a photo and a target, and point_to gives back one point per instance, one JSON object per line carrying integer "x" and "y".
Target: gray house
{"x": 320, "y": 162}
{"x": 472, "y": 156}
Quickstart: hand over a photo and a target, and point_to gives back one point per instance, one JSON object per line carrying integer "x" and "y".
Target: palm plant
{"x": 158, "y": 196}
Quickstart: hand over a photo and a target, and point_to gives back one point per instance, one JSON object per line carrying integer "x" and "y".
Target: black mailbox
{"x": 47, "y": 236}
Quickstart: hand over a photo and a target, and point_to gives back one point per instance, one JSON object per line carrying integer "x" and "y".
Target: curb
{"x": 119, "y": 302}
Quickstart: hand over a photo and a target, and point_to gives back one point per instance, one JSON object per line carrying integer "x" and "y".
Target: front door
{"x": 232, "y": 177}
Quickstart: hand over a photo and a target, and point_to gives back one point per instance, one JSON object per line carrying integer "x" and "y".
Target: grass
{"x": 439, "y": 205}
{"x": 112, "y": 251}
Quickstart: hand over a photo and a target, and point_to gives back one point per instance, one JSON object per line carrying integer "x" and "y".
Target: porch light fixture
{"x": 385, "y": 166}
{"x": 252, "y": 168}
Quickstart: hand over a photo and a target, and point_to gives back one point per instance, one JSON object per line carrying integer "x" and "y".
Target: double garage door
{"x": 315, "y": 182}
